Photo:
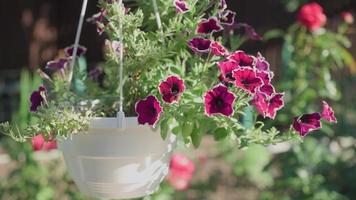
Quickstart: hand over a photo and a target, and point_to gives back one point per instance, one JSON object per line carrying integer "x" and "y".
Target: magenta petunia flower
{"x": 328, "y": 113}
{"x": 307, "y": 122}
{"x": 208, "y": 26}
{"x": 39, "y": 143}
{"x": 267, "y": 89}
{"x": 37, "y": 98}
{"x": 148, "y": 110}
{"x": 226, "y": 68}
{"x": 266, "y": 105}
{"x": 250, "y": 31}
{"x": 181, "y": 6}
{"x": 242, "y": 59}
{"x": 227, "y": 17}
{"x": 247, "y": 79}
{"x": 261, "y": 63}
{"x": 59, "y": 64}
{"x": 171, "y": 89}
{"x": 80, "y": 52}
{"x": 199, "y": 45}
{"x": 265, "y": 76}
{"x": 219, "y": 100}
{"x": 218, "y": 50}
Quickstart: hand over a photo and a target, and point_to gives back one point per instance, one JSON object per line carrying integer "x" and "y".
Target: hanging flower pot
{"x": 178, "y": 77}
{"x": 108, "y": 162}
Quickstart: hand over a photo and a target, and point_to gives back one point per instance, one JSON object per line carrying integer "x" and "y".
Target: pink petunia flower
{"x": 181, "y": 171}
{"x": 265, "y": 76}
{"x": 80, "y": 51}
{"x": 267, "y": 89}
{"x": 242, "y": 59}
{"x": 328, "y": 113}
{"x": 227, "y": 17}
{"x": 218, "y": 50}
{"x": 171, "y": 89}
{"x": 261, "y": 63}
{"x": 181, "y": 6}
{"x": 226, "y": 68}
{"x": 199, "y": 45}
{"x": 39, "y": 143}
{"x": 148, "y": 110}
{"x": 311, "y": 15}
{"x": 37, "y": 98}
{"x": 266, "y": 105}
{"x": 208, "y": 26}
{"x": 219, "y": 100}
{"x": 306, "y": 123}
{"x": 246, "y": 79}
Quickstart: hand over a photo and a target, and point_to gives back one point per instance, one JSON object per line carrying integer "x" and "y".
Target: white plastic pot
{"x": 114, "y": 164}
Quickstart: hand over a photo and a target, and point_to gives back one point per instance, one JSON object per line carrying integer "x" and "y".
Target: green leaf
{"x": 220, "y": 133}
{"x": 176, "y": 130}
{"x": 196, "y": 136}
{"x": 187, "y": 129}
{"x": 273, "y": 34}
{"x": 164, "y": 128}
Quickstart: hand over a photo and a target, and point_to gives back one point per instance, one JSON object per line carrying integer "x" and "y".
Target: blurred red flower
{"x": 181, "y": 170}
{"x": 39, "y": 144}
{"x": 312, "y": 16}
{"x": 347, "y": 17}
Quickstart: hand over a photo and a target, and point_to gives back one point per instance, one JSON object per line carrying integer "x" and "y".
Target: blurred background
{"x": 322, "y": 167}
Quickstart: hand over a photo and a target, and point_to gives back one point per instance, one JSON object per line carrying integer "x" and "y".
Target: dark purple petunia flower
{"x": 261, "y": 63}
{"x": 199, "y": 45}
{"x": 247, "y": 79}
{"x": 208, "y": 26}
{"x": 222, "y": 5}
{"x": 328, "y": 113}
{"x": 250, "y": 31}
{"x": 266, "y": 105}
{"x": 181, "y": 6}
{"x": 148, "y": 110}
{"x": 242, "y": 59}
{"x": 307, "y": 122}
{"x": 265, "y": 76}
{"x": 100, "y": 20}
{"x": 227, "y": 17}
{"x": 80, "y": 52}
{"x": 226, "y": 68}
{"x": 171, "y": 89}
{"x": 267, "y": 89}
{"x": 37, "y": 98}
{"x": 95, "y": 73}
{"x": 59, "y": 64}
{"x": 218, "y": 50}
{"x": 219, "y": 100}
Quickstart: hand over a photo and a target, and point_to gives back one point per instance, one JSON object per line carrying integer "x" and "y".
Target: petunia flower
{"x": 59, "y": 64}
{"x": 218, "y": 50}
{"x": 265, "y": 76}
{"x": 247, "y": 79}
{"x": 219, "y": 100}
{"x": 37, "y": 98}
{"x": 171, "y": 89}
{"x": 100, "y": 20}
{"x": 208, "y": 26}
{"x": 222, "y": 5}
{"x": 261, "y": 63}
{"x": 39, "y": 143}
{"x": 305, "y": 123}
{"x": 181, "y": 6}
{"x": 181, "y": 171}
{"x": 250, "y": 31}
{"x": 242, "y": 59}
{"x": 347, "y": 17}
{"x": 267, "y": 89}
{"x": 80, "y": 51}
{"x": 226, "y": 68}
{"x": 227, "y": 17}
{"x": 199, "y": 45}
{"x": 148, "y": 110}
{"x": 328, "y": 113}
{"x": 266, "y": 105}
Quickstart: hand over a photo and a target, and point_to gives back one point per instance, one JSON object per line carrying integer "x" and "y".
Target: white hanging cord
{"x": 158, "y": 17}
{"x": 77, "y": 38}
{"x": 121, "y": 114}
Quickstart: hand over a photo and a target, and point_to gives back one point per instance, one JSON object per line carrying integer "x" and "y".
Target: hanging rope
{"x": 77, "y": 38}
{"x": 158, "y": 17}
{"x": 121, "y": 66}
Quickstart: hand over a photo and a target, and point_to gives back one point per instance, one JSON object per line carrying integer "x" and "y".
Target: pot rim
{"x": 112, "y": 123}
